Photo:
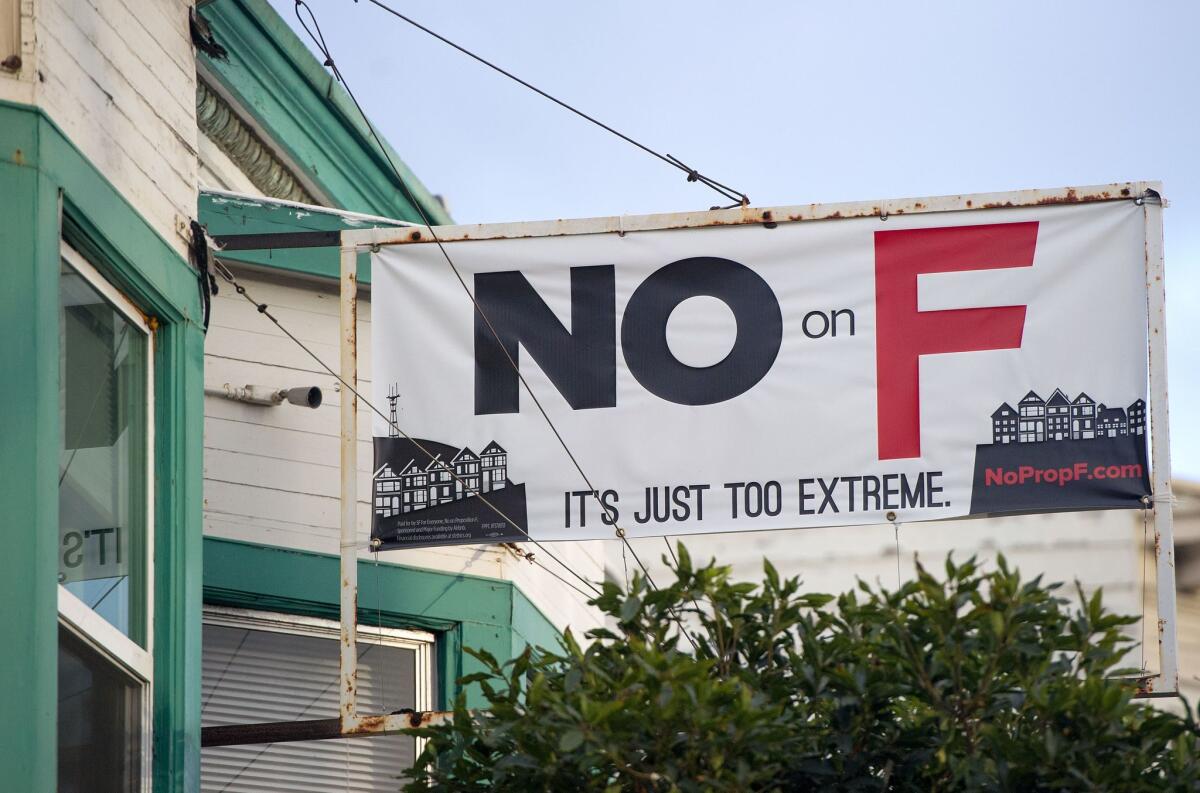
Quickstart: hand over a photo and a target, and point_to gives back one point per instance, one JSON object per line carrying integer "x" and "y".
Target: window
{"x": 262, "y": 666}
{"x": 105, "y": 534}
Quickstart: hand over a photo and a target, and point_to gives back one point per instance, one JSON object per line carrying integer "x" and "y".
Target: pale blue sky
{"x": 795, "y": 103}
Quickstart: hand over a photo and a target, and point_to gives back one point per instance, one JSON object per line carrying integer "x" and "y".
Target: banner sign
{"x": 760, "y": 375}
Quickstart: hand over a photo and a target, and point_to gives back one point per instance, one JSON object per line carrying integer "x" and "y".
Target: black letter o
{"x": 644, "y": 330}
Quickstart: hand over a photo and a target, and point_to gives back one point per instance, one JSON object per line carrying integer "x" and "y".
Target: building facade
{"x": 1004, "y": 424}
{"x": 102, "y": 450}
{"x": 176, "y": 554}
{"x": 1083, "y": 418}
{"x": 172, "y": 557}
{"x": 1033, "y": 419}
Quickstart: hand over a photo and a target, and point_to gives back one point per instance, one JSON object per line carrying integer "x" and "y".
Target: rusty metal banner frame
{"x": 350, "y": 722}
{"x": 1148, "y": 194}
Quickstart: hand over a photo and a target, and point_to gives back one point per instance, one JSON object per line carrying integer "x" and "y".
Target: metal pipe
{"x": 348, "y": 665}
{"x": 1160, "y": 452}
{"x": 318, "y": 729}
{"x": 305, "y": 396}
{"x": 250, "y": 394}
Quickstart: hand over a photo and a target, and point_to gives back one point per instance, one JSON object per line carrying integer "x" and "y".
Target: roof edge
{"x": 356, "y": 174}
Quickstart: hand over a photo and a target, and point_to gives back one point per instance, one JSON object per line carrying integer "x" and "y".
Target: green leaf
{"x": 997, "y": 623}
{"x": 570, "y": 741}
{"x": 630, "y": 608}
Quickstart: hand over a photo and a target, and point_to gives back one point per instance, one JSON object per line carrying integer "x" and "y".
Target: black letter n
{"x": 582, "y": 362}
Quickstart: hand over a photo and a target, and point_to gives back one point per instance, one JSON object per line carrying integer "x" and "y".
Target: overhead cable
{"x": 739, "y": 198}
{"x": 318, "y": 39}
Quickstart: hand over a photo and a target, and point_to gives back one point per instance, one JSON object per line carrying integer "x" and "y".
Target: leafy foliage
{"x": 980, "y": 681}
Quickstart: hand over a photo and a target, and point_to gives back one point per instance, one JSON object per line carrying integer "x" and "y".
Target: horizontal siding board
{"x": 220, "y": 370}
{"x": 309, "y": 297}
{"x": 158, "y": 203}
{"x": 278, "y": 442}
{"x": 120, "y": 107}
{"x": 110, "y": 41}
{"x": 275, "y": 349}
{"x": 277, "y": 474}
{"x": 166, "y": 24}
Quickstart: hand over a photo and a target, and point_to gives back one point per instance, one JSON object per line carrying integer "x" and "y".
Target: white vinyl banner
{"x": 764, "y": 375}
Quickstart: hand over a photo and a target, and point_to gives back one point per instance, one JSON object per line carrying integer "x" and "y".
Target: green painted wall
{"x": 52, "y": 191}
{"x": 29, "y": 451}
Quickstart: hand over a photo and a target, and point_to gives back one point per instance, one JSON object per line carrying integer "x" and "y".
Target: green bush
{"x": 980, "y": 681}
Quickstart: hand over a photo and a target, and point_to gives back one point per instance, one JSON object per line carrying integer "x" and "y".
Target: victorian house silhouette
{"x": 1060, "y": 419}
{"x": 417, "y": 486}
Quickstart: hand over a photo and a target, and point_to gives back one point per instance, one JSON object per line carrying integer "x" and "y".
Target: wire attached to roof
{"x": 319, "y": 40}
{"x": 738, "y": 197}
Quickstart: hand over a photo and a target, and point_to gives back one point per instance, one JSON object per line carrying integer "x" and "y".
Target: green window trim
{"x": 54, "y": 193}
{"x": 463, "y": 610}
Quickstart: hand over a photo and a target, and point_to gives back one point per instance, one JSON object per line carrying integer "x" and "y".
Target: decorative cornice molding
{"x": 266, "y": 171}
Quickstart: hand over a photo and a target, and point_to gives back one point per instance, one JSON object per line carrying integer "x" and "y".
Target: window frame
{"x": 132, "y": 658}
{"x": 422, "y": 643}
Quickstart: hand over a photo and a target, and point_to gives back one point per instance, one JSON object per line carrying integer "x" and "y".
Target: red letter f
{"x": 903, "y": 334}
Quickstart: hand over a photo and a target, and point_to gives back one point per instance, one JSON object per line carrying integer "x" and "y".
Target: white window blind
{"x": 261, "y": 667}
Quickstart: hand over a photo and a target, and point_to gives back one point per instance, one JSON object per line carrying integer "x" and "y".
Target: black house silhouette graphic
{"x": 418, "y": 485}
{"x": 1058, "y": 418}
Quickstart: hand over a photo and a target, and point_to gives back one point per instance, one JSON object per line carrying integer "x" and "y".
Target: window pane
{"x": 253, "y": 676}
{"x": 102, "y": 465}
{"x": 99, "y": 721}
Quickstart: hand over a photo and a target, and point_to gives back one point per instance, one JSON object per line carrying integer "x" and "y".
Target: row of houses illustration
{"x": 418, "y": 484}
{"x": 1058, "y": 418}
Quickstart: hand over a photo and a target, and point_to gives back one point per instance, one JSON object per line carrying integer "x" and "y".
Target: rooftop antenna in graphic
{"x": 393, "y": 395}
